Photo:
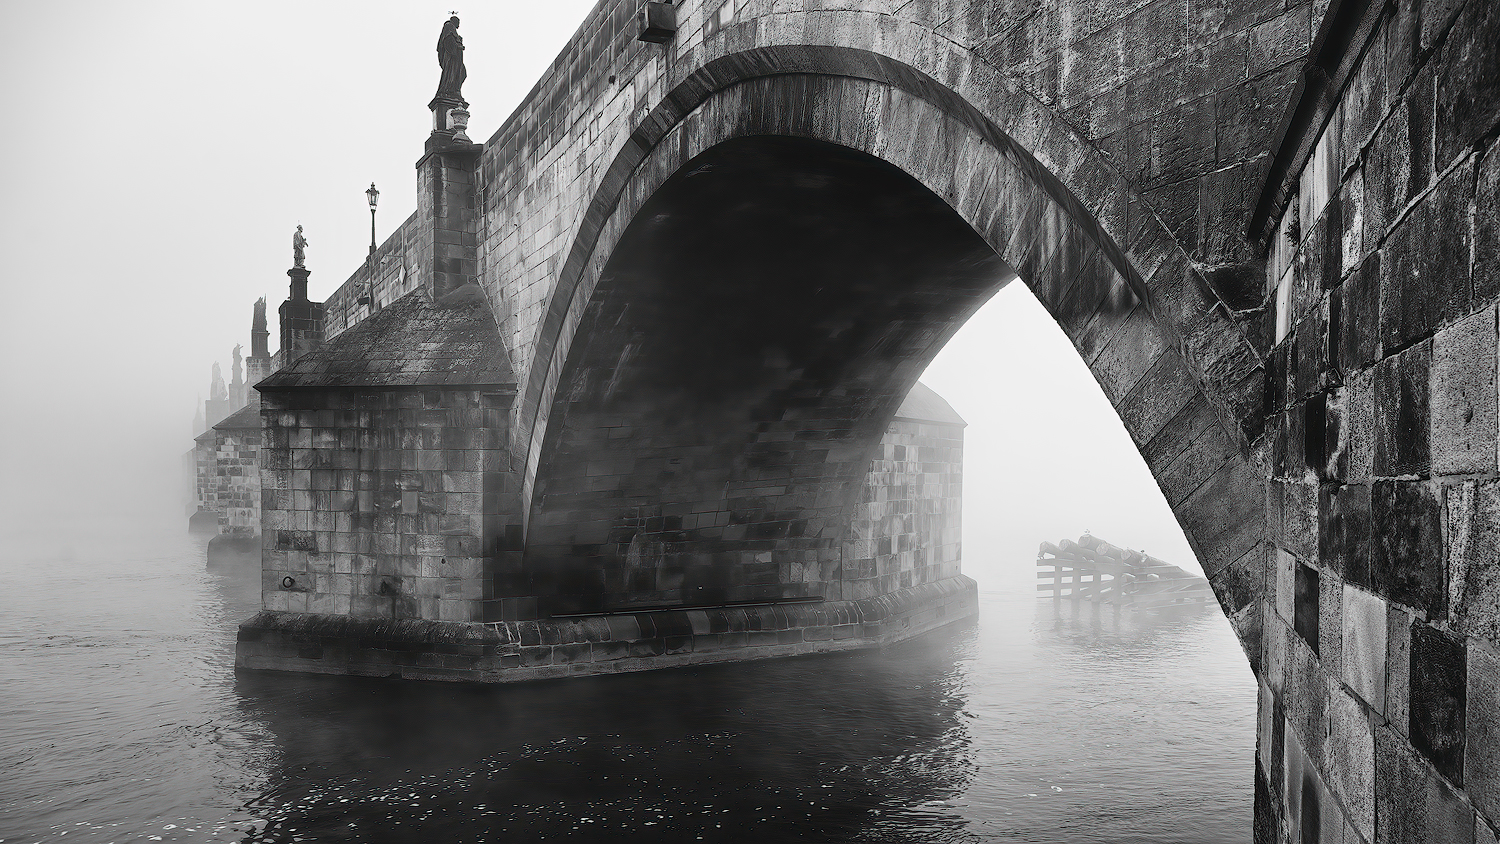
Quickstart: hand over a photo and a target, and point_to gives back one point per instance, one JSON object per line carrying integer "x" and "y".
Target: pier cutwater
{"x": 632, "y": 386}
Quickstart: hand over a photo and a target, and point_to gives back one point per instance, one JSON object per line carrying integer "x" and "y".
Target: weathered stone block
{"x": 1267, "y": 821}
{"x": 1468, "y": 81}
{"x": 1462, "y": 418}
{"x": 1226, "y": 515}
{"x": 1273, "y": 649}
{"x": 1437, "y": 704}
{"x": 1387, "y": 174}
{"x": 1280, "y": 40}
{"x": 1411, "y": 803}
{"x": 1425, "y": 278}
{"x": 1133, "y": 348}
{"x": 1223, "y": 197}
{"x": 1176, "y": 145}
{"x": 1483, "y": 832}
{"x": 1419, "y": 97}
{"x": 1472, "y": 537}
{"x": 1306, "y": 697}
{"x": 1306, "y": 606}
{"x": 1311, "y": 814}
{"x": 1286, "y": 585}
{"x": 1398, "y": 669}
{"x": 1290, "y": 772}
{"x": 1330, "y": 623}
{"x": 1402, "y": 399}
{"x": 1161, "y": 395}
{"x": 1486, "y": 268}
{"x": 1344, "y": 531}
{"x": 1242, "y": 582}
{"x": 1265, "y": 704}
{"x": 1278, "y": 743}
{"x": 1244, "y": 116}
{"x": 1335, "y": 466}
{"x": 1299, "y": 515}
{"x": 1359, "y": 425}
{"x": 1290, "y": 463}
{"x": 1312, "y": 349}
{"x": 1482, "y": 727}
{"x": 1364, "y": 645}
{"x": 1194, "y": 460}
{"x": 1351, "y": 759}
{"x": 1359, "y": 314}
{"x": 1406, "y": 557}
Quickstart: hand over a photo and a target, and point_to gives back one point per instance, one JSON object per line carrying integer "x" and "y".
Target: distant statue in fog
{"x": 450, "y": 50}
{"x": 299, "y": 247}
{"x": 216, "y": 390}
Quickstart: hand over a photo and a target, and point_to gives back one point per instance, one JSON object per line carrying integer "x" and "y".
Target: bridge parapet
{"x": 384, "y": 277}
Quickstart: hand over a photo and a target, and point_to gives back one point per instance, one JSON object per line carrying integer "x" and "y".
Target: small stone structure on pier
{"x": 224, "y": 465}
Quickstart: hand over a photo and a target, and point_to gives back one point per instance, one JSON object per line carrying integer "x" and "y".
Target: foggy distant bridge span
{"x": 647, "y": 344}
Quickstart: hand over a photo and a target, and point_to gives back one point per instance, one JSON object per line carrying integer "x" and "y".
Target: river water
{"x": 124, "y": 720}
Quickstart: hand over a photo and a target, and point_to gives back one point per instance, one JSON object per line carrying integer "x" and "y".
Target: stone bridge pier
{"x": 633, "y": 387}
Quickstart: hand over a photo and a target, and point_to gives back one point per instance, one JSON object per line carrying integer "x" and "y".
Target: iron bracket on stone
{"x": 658, "y": 22}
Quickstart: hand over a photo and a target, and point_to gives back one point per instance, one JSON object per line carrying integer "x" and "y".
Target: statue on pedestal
{"x": 450, "y": 50}
{"x": 299, "y": 247}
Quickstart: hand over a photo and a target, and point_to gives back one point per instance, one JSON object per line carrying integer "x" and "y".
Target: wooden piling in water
{"x": 1135, "y": 579}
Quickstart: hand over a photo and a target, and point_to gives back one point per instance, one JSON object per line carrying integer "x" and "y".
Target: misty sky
{"x": 158, "y": 156}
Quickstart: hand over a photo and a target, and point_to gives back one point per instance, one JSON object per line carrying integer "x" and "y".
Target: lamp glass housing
{"x": 373, "y": 195}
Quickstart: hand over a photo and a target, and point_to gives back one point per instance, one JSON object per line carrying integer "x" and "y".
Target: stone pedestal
{"x": 301, "y": 319}
{"x": 446, "y": 178}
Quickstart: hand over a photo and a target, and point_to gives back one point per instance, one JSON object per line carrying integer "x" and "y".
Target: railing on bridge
{"x": 1094, "y": 570}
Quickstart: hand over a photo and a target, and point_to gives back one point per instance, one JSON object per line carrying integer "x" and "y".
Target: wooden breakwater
{"x": 1094, "y": 570}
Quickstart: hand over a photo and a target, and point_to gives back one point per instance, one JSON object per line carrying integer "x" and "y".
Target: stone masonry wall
{"x": 375, "y": 504}
{"x": 237, "y": 481}
{"x": 1380, "y": 718}
{"x": 906, "y": 527}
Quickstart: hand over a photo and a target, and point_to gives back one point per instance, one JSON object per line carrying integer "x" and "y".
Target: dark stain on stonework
{"x": 1306, "y": 605}
{"x": 1406, "y": 559}
{"x": 1438, "y": 680}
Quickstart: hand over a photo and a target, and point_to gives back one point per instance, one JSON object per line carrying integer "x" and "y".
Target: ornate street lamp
{"x": 367, "y": 290}
{"x": 374, "y": 196}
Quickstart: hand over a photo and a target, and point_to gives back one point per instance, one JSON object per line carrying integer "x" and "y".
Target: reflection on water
{"x": 1031, "y": 726}
{"x": 804, "y": 749}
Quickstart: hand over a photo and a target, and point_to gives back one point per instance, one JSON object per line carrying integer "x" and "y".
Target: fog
{"x": 159, "y": 156}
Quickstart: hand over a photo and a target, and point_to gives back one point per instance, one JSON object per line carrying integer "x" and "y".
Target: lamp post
{"x": 367, "y": 293}
{"x": 374, "y": 196}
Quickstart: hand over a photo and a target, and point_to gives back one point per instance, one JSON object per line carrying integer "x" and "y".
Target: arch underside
{"x": 743, "y": 352}
{"x": 664, "y": 351}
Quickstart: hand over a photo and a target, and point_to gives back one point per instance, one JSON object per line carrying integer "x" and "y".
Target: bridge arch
{"x": 1171, "y": 365}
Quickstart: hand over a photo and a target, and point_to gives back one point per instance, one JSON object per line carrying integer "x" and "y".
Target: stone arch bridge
{"x": 624, "y": 391}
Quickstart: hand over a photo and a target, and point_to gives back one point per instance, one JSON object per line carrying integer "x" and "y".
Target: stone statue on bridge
{"x": 450, "y": 50}
{"x": 299, "y": 248}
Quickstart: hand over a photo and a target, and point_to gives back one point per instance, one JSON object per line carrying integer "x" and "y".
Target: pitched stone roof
{"x": 244, "y": 418}
{"x": 924, "y": 405}
{"x": 410, "y": 343}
